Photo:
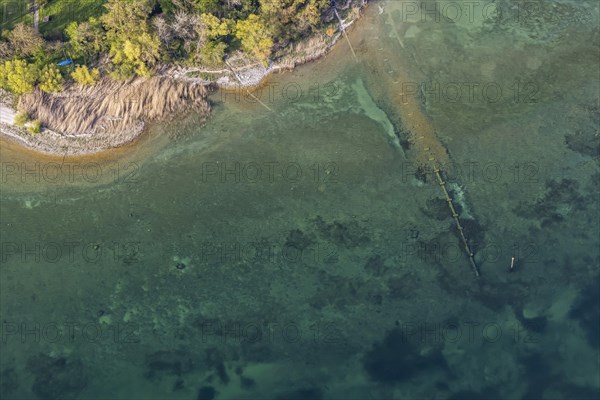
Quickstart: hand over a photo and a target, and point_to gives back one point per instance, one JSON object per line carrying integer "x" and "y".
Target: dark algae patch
{"x": 175, "y": 363}
{"x": 206, "y": 393}
{"x": 585, "y": 138}
{"x": 543, "y": 379}
{"x": 396, "y": 360}
{"x": 437, "y": 208}
{"x": 343, "y": 233}
{"x": 302, "y": 394}
{"x": 587, "y": 312}
{"x": 299, "y": 240}
{"x": 9, "y": 381}
{"x": 375, "y": 265}
{"x": 551, "y": 208}
{"x": 57, "y": 377}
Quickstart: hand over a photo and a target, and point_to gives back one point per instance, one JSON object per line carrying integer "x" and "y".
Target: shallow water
{"x": 301, "y": 248}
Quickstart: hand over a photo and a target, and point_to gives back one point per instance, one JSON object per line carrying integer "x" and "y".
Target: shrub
{"x": 21, "y": 119}
{"x": 35, "y": 127}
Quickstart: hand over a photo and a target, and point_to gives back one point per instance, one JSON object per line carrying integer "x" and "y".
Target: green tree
{"x": 83, "y": 76}
{"x": 310, "y": 16}
{"x": 207, "y": 6}
{"x": 212, "y": 53}
{"x": 291, "y": 18}
{"x": 133, "y": 48}
{"x": 18, "y": 76}
{"x": 167, "y": 6}
{"x": 87, "y": 38}
{"x": 137, "y": 54}
{"x": 255, "y": 36}
{"x": 51, "y": 80}
{"x": 126, "y": 18}
{"x": 215, "y": 27}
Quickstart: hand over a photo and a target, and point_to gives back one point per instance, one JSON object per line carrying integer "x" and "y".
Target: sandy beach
{"x": 7, "y": 115}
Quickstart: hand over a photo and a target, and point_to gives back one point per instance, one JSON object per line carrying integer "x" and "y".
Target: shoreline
{"x": 243, "y": 76}
{"x": 51, "y": 143}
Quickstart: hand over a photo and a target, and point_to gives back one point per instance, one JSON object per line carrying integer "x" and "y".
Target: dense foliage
{"x": 83, "y": 76}
{"x": 131, "y": 37}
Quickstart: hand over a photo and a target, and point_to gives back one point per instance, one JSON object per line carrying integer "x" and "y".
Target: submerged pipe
{"x": 468, "y": 250}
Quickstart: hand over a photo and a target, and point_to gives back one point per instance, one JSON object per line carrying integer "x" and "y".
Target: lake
{"x": 299, "y": 245}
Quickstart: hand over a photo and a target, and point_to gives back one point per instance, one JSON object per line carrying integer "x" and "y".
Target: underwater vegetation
{"x": 8, "y": 382}
{"x": 561, "y": 196}
{"x": 395, "y": 360}
{"x": 347, "y": 234}
{"x": 302, "y": 394}
{"x": 587, "y": 312}
{"x": 542, "y": 378}
{"x": 57, "y": 377}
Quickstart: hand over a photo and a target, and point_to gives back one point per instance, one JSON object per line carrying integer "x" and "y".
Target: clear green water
{"x": 292, "y": 253}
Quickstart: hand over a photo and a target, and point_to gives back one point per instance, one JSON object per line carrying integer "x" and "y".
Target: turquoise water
{"x": 294, "y": 249}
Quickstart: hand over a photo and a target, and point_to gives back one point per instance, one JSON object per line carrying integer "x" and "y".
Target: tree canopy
{"x": 255, "y": 36}
{"x": 18, "y": 76}
{"x": 132, "y": 37}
